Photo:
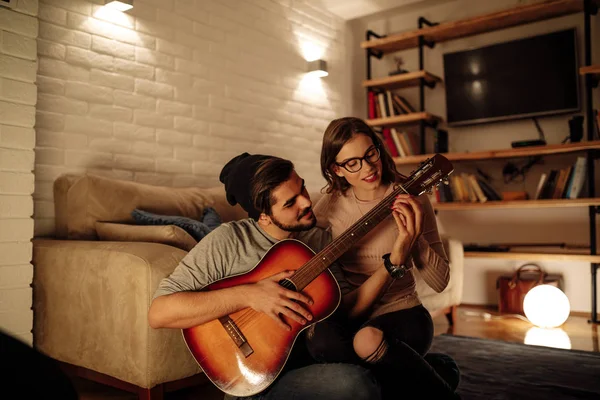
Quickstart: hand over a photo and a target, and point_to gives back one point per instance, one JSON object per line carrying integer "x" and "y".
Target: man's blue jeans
{"x": 321, "y": 382}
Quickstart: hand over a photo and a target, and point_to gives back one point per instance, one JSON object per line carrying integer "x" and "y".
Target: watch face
{"x": 399, "y": 272}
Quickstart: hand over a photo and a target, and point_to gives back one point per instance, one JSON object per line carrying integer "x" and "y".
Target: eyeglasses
{"x": 355, "y": 164}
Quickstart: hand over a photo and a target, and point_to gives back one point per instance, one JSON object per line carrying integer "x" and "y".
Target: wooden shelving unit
{"x": 592, "y": 70}
{"x": 471, "y": 26}
{"x": 509, "y": 255}
{"x": 405, "y": 119}
{"x": 430, "y": 33}
{"x": 505, "y": 153}
{"x": 401, "y": 80}
{"x": 545, "y": 203}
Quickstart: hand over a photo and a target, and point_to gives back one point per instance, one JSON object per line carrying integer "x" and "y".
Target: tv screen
{"x": 518, "y": 79}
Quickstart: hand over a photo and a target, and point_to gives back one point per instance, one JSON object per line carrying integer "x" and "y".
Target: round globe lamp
{"x": 546, "y": 306}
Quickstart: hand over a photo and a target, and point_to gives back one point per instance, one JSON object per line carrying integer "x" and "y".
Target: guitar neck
{"x": 322, "y": 260}
{"x": 430, "y": 173}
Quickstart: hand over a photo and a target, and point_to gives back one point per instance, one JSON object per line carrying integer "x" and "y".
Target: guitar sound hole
{"x": 288, "y": 284}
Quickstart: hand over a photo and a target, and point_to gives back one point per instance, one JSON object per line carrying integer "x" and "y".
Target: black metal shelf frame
{"x": 590, "y": 8}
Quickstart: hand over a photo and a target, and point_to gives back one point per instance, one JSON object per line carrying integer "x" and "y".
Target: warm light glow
{"x": 311, "y": 51}
{"x": 318, "y": 73}
{"x": 548, "y": 337}
{"x": 115, "y": 17}
{"x": 311, "y": 90}
{"x": 546, "y": 306}
{"x": 119, "y": 5}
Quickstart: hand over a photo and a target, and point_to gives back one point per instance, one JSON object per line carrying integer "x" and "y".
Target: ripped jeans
{"x": 303, "y": 379}
{"x": 403, "y": 362}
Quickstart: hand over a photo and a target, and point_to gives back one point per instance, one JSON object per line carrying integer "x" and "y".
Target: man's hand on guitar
{"x": 408, "y": 213}
{"x": 269, "y": 297}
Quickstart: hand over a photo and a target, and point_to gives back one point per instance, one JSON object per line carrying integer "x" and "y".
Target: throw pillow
{"x": 211, "y": 218}
{"x": 166, "y": 234}
{"x": 195, "y": 228}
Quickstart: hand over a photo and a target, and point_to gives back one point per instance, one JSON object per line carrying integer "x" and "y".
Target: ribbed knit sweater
{"x": 339, "y": 212}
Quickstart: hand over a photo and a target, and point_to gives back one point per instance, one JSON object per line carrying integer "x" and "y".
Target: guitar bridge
{"x": 236, "y": 335}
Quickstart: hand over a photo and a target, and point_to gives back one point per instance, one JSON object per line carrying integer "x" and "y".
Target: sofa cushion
{"x": 81, "y": 200}
{"x": 166, "y": 234}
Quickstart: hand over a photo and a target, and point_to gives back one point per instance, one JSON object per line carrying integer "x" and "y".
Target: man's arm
{"x": 180, "y": 303}
{"x": 187, "y": 309}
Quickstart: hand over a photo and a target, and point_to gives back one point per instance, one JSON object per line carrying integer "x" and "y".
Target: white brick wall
{"x": 18, "y": 96}
{"x": 170, "y": 91}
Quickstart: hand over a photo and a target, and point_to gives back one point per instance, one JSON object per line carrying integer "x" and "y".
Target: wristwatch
{"x": 396, "y": 271}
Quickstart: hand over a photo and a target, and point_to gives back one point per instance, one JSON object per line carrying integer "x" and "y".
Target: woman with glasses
{"x": 382, "y": 322}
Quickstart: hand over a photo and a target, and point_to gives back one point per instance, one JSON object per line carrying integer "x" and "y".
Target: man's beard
{"x": 296, "y": 227}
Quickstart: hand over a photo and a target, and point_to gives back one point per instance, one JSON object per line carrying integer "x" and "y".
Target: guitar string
{"x": 306, "y": 271}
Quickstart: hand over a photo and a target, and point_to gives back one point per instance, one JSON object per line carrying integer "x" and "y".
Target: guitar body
{"x": 243, "y": 353}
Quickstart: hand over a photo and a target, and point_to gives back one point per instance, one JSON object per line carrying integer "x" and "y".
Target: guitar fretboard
{"x": 344, "y": 242}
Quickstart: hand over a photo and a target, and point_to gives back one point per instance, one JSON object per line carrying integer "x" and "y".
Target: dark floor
{"x": 576, "y": 333}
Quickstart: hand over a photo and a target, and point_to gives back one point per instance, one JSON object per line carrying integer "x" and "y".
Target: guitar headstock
{"x": 430, "y": 173}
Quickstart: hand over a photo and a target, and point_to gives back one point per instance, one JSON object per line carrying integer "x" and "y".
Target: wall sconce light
{"x": 317, "y": 68}
{"x": 120, "y": 5}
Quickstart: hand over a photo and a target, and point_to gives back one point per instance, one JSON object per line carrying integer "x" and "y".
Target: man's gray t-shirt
{"x": 231, "y": 249}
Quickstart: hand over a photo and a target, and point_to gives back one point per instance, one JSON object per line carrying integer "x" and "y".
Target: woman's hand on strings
{"x": 408, "y": 213}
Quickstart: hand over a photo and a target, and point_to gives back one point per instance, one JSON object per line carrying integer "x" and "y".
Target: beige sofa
{"x": 91, "y": 296}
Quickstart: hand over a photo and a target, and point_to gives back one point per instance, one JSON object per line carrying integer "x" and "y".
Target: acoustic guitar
{"x": 244, "y": 352}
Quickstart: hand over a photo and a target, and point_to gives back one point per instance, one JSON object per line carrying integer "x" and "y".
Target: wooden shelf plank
{"x": 505, "y": 153}
{"x": 453, "y": 206}
{"x": 405, "y": 119}
{"x": 401, "y": 80}
{"x": 591, "y": 69}
{"x": 480, "y": 24}
{"x": 533, "y": 256}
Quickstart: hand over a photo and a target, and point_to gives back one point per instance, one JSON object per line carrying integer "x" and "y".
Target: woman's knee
{"x": 367, "y": 342}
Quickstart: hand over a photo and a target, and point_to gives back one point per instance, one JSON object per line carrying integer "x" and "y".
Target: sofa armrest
{"x": 452, "y": 295}
{"x": 456, "y": 255}
{"x": 91, "y": 301}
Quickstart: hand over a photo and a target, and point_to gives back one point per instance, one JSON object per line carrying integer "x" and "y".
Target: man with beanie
{"x": 279, "y": 207}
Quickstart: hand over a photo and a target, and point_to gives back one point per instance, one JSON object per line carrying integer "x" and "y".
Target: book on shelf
{"x": 400, "y": 143}
{"x": 564, "y": 183}
{"x": 466, "y": 188}
{"x": 385, "y": 104}
{"x": 396, "y": 138}
{"x": 389, "y": 142}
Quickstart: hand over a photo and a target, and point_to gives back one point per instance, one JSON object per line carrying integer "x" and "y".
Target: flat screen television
{"x": 518, "y": 79}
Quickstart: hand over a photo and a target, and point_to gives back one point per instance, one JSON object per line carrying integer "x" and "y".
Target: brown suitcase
{"x": 513, "y": 288}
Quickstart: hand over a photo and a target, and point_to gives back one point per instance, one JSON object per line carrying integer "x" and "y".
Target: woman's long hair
{"x": 338, "y": 132}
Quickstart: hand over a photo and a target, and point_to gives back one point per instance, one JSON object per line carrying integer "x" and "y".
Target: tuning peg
{"x": 446, "y": 181}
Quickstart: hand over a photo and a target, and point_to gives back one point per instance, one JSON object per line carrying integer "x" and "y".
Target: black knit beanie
{"x": 237, "y": 176}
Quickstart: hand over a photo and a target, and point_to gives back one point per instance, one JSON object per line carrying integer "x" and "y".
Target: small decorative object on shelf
{"x": 575, "y": 129}
{"x": 441, "y": 141}
{"x": 399, "y": 70}
{"x": 518, "y": 195}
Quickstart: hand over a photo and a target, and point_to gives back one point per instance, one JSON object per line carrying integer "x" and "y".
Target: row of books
{"x": 400, "y": 144}
{"x": 466, "y": 188}
{"x": 388, "y": 104}
{"x": 564, "y": 183}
